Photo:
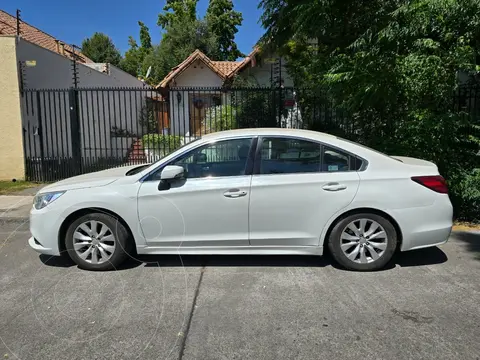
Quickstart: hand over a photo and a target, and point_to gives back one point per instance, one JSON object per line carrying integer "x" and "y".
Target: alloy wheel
{"x": 94, "y": 242}
{"x": 363, "y": 241}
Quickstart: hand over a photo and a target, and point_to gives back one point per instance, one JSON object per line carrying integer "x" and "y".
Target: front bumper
{"x": 35, "y": 245}
{"x": 44, "y": 227}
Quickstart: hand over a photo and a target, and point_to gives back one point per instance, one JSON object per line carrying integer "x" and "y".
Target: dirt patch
{"x": 464, "y": 226}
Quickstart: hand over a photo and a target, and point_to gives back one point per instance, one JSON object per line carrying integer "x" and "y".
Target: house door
{"x": 198, "y": 104}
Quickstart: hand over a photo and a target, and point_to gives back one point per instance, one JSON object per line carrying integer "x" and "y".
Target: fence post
{"x": 75, "y": 131}
{"x": 43, "y": 165}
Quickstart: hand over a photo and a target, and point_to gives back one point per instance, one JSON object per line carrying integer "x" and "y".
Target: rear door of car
{"x": 298, "y": 184}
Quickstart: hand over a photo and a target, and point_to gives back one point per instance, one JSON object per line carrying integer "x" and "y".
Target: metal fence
{"x": 74, "y": 131}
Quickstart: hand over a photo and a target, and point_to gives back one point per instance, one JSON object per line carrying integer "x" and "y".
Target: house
{"x": 198, "y": 84}
{"x": 36, "y": 60}
{"x": 8, "y": 26}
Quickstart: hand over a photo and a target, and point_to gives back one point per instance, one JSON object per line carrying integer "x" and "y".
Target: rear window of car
{"x": 291, "y": 155}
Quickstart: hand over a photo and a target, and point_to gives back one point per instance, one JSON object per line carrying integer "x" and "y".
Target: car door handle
{"x": 334, "y": 187}
{"x": 234, "y": 193}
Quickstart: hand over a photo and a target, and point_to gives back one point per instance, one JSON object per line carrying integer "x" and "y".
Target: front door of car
{"x": 297, "y": 186}
{"x": 209, "y": 207}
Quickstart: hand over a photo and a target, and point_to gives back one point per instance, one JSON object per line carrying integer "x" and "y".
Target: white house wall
{"x": 98, "y": 110}
{"x": 197, "y": 75}
{"x": 262, "y": 74}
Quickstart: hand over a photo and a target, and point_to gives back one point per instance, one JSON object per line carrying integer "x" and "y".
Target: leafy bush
{"x": 146, "y": 118}
{"x": 219, "y": 118}
{"x": 255, "y": 109}
{"x": 163, "y": 143}
{"x": 465, "y": 196}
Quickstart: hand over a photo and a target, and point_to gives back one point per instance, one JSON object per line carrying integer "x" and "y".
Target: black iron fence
{"x": 74, "y": 131}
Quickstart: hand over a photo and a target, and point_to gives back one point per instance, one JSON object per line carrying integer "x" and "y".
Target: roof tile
{"x": 224, "y": 69}
{"x": 8, "y": 26}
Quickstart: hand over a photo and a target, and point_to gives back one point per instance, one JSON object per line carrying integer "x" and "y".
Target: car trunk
{"x": 418, "y": 166}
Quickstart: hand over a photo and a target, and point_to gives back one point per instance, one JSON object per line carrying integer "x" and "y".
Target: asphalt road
{"x": 426, "y": 305}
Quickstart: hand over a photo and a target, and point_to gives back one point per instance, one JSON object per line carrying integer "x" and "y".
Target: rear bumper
{"x": 425, "y": 226}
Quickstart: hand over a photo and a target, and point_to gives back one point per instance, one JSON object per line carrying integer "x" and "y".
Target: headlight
{"x": 42, "y": 200}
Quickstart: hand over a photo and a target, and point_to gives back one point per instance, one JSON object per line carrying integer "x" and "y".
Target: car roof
{"x": 267, "y": 131}
{"x": 328, "y": 139}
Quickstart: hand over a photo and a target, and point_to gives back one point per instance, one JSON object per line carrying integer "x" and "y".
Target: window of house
{"x": 222, "y": 158}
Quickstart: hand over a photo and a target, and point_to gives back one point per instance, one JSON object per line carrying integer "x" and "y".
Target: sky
{"x": 73, "y": 21}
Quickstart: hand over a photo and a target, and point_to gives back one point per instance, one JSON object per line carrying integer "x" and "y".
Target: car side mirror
{"x": 172, "y": 172}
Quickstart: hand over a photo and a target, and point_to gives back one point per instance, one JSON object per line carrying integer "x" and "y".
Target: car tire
{"x": 104, "y": 251}
{"x": 363, "y": 242}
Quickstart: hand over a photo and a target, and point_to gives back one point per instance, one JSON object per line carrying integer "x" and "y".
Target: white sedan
{"x": 250, "y": 191}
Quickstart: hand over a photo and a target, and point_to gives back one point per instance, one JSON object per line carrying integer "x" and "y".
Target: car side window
{"x": 289, "y": 155}
{"x": 221, "y": 158}
{"x": 335, "y": 160}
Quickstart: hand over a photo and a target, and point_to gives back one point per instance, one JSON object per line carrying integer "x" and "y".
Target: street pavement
{"x": 15, "y": 208}
{"x": 425, "y": 305}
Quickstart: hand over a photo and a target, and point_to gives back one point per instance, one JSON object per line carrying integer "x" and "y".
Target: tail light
{"x": 436, "y": 183}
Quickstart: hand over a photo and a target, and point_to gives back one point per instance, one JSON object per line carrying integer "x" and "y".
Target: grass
{"x": 10, "y": 187}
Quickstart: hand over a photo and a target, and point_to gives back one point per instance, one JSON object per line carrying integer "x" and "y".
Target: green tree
{"x": 133, "y": 61}
{"x": 177, "y": 11}
{"x": 178, "y": 42}
{"x": 100, "y": 49}
{"x": 145, "y": 39}
{"x": 224, "y": 22}
{"x": 393, "y": 67}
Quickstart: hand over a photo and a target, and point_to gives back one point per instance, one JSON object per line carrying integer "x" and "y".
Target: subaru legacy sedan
{"x": 250, "y": 191}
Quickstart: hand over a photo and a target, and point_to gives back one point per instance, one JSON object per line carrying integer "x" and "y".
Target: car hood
{"x": 95, "y": 179}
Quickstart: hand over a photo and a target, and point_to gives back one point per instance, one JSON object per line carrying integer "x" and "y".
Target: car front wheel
{"x": 97, "y": 241}
{"x": 363, "y": 242}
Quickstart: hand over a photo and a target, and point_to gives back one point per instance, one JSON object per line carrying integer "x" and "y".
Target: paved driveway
{"x": 425, "y": 306}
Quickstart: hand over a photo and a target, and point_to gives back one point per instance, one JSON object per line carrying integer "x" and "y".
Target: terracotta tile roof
{"x": 224, "y": 69}
{"x": 250, "y": 59}
{"x": 196, "y": 55}
{"x": 8, "y": 26}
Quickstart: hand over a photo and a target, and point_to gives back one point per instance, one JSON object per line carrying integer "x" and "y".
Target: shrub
{"x": 465, "y": 196}
{"x": 163, "y": 143}
{"x": 146, "y": 118}
{"x": 219, "y": 118}
{"x": 256, "y": 109}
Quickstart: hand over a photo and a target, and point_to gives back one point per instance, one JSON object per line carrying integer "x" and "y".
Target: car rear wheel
{"x": 363, "y": 242}
{"x": 97, "y": 241}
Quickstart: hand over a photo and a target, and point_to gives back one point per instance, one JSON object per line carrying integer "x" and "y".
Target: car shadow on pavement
{"x": 421, "y": 257}
{"x": 472, "y": 239}
{"x": 429, "y": 256}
